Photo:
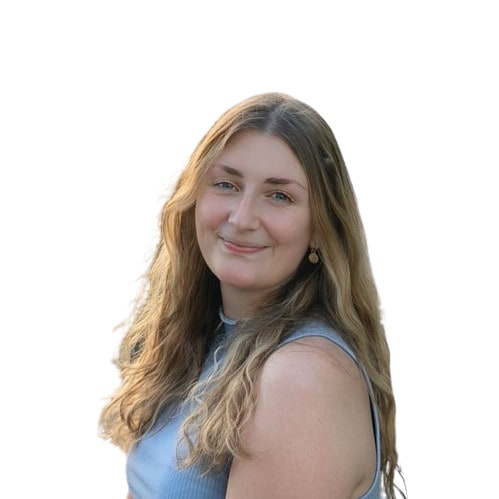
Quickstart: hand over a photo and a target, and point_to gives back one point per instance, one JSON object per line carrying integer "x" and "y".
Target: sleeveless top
{"x": 152, "y": 469}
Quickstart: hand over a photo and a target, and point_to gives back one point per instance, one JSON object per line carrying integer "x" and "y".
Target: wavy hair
{"x": 176, "y": 314}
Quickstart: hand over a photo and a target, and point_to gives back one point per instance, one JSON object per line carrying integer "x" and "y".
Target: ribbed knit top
{"x": 152, "y": 468}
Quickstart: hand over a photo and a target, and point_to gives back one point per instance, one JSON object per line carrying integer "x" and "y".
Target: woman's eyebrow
{"x": 271, "y": 180}
{"x": 283, "y": 181}
{"x": 230, "y": 170}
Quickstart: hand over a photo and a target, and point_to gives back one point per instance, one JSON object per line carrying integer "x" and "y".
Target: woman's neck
{"x": 237, "y": 303}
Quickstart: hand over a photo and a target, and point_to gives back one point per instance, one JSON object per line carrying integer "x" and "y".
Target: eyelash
{"x": 225, "y": 185}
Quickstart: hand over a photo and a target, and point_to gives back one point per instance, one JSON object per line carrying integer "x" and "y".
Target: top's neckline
{"x": 225, "y": 319}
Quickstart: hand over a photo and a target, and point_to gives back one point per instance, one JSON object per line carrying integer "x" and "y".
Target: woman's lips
{"x": 241, "y": 247}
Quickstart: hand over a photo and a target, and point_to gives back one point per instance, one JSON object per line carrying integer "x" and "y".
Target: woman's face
{"x": 253, "y": 220}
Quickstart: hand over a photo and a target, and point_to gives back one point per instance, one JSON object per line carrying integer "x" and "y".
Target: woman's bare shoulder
{"x": 311, "y": 434}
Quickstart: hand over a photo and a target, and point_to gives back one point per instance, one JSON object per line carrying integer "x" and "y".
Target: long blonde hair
{"x": 176, "y": 314}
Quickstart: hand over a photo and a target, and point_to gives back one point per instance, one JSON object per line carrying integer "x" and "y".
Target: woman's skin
{"x": 312, "y": 434}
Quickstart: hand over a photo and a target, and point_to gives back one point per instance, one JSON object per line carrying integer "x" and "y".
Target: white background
{"x": 101, "y": 104}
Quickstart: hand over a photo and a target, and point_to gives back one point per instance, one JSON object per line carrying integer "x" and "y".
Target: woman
{"x": 256, "y": 365}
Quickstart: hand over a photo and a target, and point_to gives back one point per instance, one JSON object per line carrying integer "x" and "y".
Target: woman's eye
{"x": 224, "y": 186}
{"x": 281, "y": 197}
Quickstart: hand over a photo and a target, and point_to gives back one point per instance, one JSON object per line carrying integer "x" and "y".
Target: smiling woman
{"x": 256, "y": 365}
{"x": 253, "y": 219}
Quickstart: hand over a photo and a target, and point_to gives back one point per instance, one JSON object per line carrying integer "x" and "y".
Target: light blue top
{"x": 152, "y": 470}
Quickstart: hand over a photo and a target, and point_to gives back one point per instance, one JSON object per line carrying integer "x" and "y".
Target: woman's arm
{"x": 311, "y": 435}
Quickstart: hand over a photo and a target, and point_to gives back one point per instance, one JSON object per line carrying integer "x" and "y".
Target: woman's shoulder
{"x": 308, "y": 332}
{"x": 314, "y": 354}
{"x": 312, "y": 408}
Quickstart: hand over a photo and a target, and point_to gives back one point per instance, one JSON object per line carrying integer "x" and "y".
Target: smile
{"x": 241, "y": 247}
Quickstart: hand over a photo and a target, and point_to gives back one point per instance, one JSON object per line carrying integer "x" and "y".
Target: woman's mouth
{"x": 241, "y": 247}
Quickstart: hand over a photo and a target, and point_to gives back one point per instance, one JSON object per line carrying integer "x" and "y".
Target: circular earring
{"x": 313, "y": 257}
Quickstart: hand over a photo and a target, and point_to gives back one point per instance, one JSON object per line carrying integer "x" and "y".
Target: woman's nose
{"x": 243, "y": 215}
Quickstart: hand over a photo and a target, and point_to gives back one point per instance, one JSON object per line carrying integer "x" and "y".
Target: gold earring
{"x": 313, "y": 257}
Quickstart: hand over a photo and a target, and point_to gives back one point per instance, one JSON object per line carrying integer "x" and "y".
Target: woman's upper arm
{"x": 311, "y": 434}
